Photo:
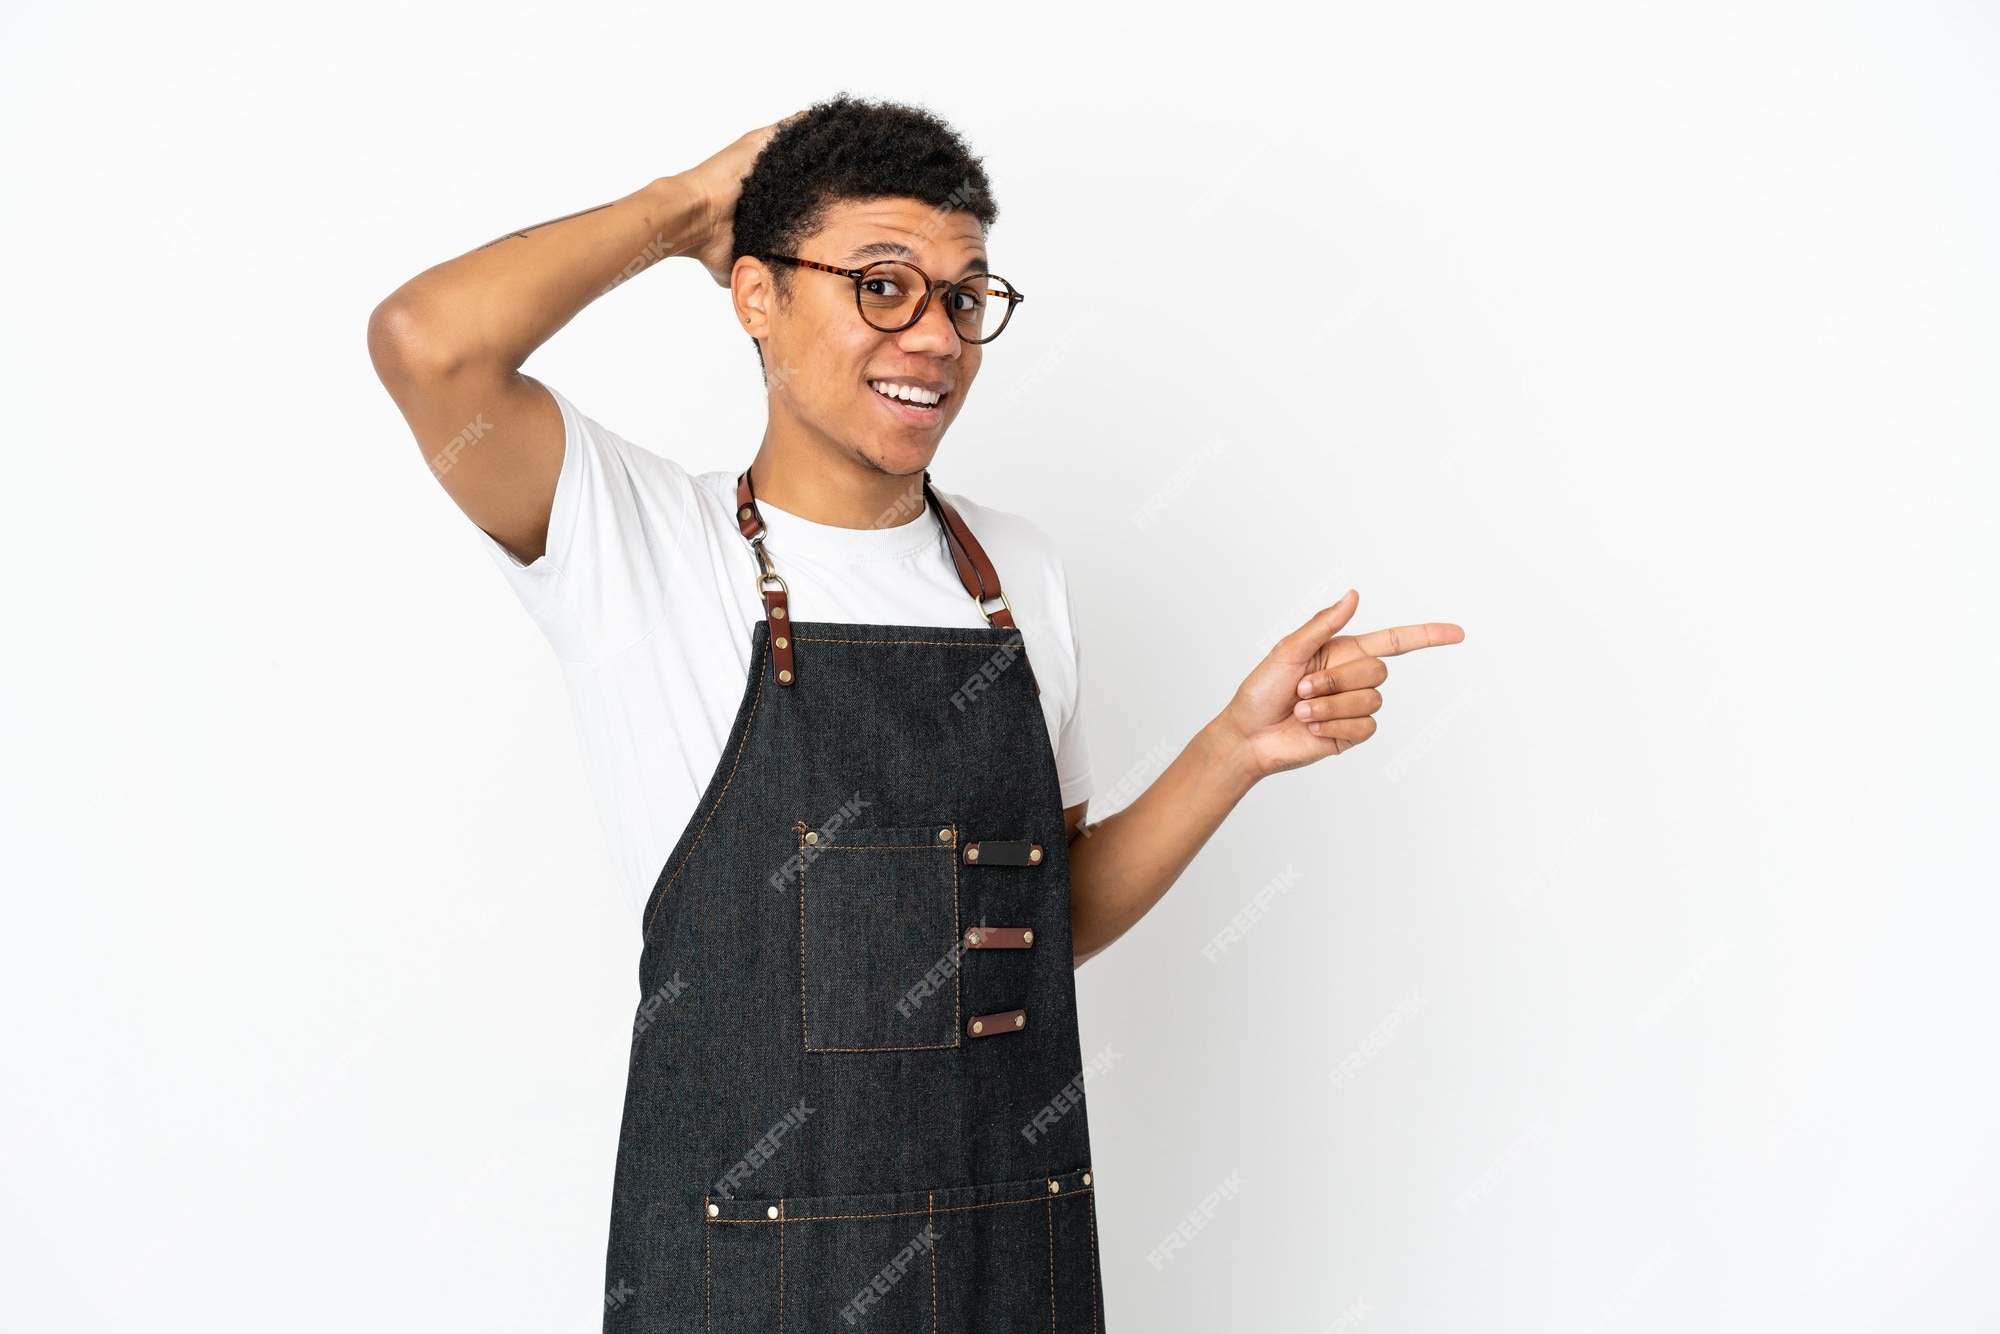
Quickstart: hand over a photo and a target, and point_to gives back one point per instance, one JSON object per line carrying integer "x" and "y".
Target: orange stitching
{"x": 929, "y": 1046}
{"x": 805, "y": 1036}
{"x": 881, "y": 847}
{"x": 749, "y": 725}
{"x": 1051, "y": 1200}
{"x": 897, "y": 1213}
{"x": 945, "y": 643}
{"x": 930, "y": 1229}
{"x": 781, "y": 1266}
{"x": 957, "y": 935}
{"x": 1091, "y": 1216}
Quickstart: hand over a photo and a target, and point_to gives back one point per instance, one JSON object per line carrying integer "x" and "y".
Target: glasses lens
{"x": 980, "y": 306}
{"x": 889, "y": 294}
{"x": 891, "y": 290}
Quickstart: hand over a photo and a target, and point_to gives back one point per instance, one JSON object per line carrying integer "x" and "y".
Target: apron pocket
{"x": 968, "y": 1260}
{"x": 878, "y": 936}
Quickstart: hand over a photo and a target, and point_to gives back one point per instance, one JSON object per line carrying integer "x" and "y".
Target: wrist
{"x": 679, "y": 211}
{"x": 1227, "y": 757}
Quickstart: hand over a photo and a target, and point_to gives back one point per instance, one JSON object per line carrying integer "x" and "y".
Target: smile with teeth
{"x": 909, "y": 395}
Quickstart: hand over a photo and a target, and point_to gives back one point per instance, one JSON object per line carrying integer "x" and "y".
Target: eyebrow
{"x": 897, "y": 250}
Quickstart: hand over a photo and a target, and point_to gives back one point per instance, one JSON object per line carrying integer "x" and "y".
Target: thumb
{"x": 1309, "y": 638}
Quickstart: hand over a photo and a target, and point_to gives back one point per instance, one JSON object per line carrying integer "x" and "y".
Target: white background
{"x": 1653, "y": 935}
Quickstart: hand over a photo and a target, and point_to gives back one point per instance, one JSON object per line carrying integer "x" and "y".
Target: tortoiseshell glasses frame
{"x": 969, "y": 283}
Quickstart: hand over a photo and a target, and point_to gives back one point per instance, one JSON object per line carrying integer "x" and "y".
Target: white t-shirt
{"x": 647, "y": 592}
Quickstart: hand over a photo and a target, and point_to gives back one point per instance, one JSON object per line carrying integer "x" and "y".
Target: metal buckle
{"x": 766, "y": 572}
{"x": 980, "y": 603}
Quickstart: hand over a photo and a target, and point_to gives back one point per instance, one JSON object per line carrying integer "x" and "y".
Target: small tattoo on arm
{"x": 564, "y": 218}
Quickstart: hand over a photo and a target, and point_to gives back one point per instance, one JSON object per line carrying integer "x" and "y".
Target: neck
{"x": 822, "y": 480}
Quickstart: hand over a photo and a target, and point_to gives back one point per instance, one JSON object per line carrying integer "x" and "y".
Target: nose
{"x": 934, "y": 331}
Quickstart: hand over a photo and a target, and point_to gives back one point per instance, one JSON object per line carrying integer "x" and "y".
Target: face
{"x": 822, "y": 359}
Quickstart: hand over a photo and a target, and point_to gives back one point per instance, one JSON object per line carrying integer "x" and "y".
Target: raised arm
{"x": 449, "y": 343}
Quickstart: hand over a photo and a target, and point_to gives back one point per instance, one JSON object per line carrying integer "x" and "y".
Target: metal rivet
{"x": 743, "y": 513}
{"x": 1086, "y": 1178}
{"x": 784, "y": 676}
{"x": 1034, "y": 854}
{"x": 782, "y": 641}
{"x": 972, "y": 853}
{"x": 771, "y": 1212}
{"x": 1020, "y": 1020}
{"x": 1027, "y": 937}
{"x": 714, "y": 1209}
{"x": 944, "y": 835}
{"x": 972, "y": 937}
{"x": 1054, "y": 1187}
{"x": 978, "y": 1027}
{"x": 813, "y": 837}
{"x": 778, "y": 613}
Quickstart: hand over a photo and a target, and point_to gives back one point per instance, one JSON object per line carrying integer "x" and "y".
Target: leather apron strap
{"x": 975, "y": 571}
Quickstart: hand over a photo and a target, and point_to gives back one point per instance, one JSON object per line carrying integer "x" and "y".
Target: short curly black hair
{"x": 847, "y": 149}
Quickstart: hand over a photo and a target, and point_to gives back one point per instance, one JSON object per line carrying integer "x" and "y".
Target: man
{"x": 854, "y": 840}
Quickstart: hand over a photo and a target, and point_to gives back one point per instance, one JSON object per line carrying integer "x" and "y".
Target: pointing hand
{"x": 1315, "y": 695}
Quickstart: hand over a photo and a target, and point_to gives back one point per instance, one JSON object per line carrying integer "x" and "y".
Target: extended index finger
{"x": 1407, "y": 638}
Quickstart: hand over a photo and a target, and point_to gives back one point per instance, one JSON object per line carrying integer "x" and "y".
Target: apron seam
{"x": 933, "y": 643}
{"x": 1091, "y": 1216}
{"x": 1050, "y": 1201}
{"x": 891, "y": 1213}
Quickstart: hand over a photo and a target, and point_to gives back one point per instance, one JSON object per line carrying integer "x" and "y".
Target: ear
{"x": 752, "y": 294}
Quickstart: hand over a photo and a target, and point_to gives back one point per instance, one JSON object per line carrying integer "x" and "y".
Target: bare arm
{"x": 448, "y": 344}
{"x": 1124, "y": 864}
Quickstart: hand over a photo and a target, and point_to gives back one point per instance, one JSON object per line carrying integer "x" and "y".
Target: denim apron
{"x": 855, "y": 1094}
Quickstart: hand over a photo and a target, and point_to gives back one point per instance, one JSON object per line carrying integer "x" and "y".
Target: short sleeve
{"x": 619, "y": 513}
{"x": 1073, "y": 770}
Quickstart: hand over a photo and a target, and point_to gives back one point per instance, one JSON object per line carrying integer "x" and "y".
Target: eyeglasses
{"x": 893, "y": 295}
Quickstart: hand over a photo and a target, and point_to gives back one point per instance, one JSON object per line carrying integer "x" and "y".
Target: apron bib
{"x": 855, "y": 1093}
